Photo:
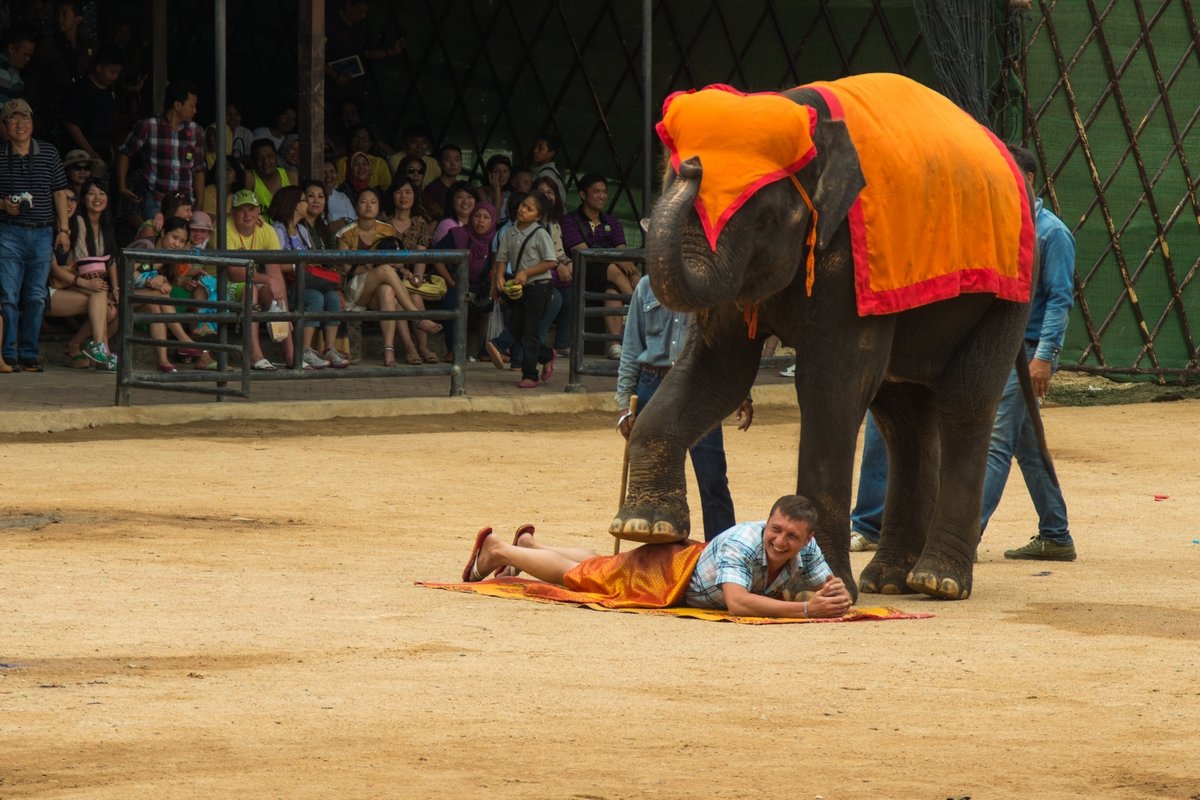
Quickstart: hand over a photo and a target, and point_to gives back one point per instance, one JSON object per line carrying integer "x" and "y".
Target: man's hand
{"x": 1039, "y": 375}
{"x": 62, "y": 240}
{"x": 745, "y": 414}
{"x": 129, "y": 194}
{"x": 831, "y": 600}
{"x": 11, "y": 208}
{"x": 624, "y": 422}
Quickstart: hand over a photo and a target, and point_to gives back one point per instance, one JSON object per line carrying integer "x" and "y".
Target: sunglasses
{"x": 415, "y": 171}
{"x": 85, "y": 167}
{"x": 72, "y": 198}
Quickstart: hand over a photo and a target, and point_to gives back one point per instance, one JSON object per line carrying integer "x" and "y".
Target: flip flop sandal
{"x": 512, "y": 572}
{"x": 430, "y": 358}
{"x": 263, "y": 365}
{"x": 471, "y": 572}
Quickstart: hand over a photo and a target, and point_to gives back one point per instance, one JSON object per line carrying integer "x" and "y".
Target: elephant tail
{"x": 1033, "y": 407}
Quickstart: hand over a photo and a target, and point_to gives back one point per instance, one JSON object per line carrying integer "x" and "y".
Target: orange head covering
{"x": 744, "y": 141}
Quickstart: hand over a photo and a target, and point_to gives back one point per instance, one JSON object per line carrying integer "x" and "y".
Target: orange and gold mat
{"x": 522, "y": 589}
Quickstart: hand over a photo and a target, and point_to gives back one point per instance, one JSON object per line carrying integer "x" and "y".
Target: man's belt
{"x": 24, "y": 223}
{"x": 659, "y": 371}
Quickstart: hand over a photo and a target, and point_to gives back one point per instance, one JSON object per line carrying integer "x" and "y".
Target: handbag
{"x": 432, "y": 288}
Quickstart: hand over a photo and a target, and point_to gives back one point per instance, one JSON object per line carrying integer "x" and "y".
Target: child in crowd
{"x": 524, "y": 259}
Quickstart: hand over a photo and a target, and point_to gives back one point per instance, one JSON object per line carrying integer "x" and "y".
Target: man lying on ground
{"x": 752, "y": 569}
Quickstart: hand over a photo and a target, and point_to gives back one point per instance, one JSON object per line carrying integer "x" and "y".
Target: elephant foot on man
{"x": 659, "y": 520}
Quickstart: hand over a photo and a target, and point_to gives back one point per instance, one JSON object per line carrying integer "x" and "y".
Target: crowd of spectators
{"x": 102, "y": 174}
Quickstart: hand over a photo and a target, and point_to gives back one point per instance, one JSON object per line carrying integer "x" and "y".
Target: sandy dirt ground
{"x": 229, "y": 611}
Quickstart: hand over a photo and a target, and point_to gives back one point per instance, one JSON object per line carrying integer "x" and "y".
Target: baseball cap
{"x": 244, "y": 197}
{"x": 201, "y": 221}
{"x": 15, "y": 106}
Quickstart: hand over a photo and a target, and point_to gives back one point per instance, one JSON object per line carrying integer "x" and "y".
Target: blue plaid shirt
{"x": 737, "y": 556}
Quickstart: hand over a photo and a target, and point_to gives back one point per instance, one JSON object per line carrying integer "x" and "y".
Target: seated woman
{"x": 411, "y": 169}
{"x": 459, "y": 202}
{"x": 380, "y": 287}
{"x": 476, "y": 238}
{"x": 233, "y": 182}
{"x": 289, "y": 209}
{"x": 175, "y": 204}
{"x": 152, "y": 292}
{"x": 359, "y": 139}
{"x": 73, "y": 294}
{"x": 339, "y": 209}
{"x": 358, "y": 178}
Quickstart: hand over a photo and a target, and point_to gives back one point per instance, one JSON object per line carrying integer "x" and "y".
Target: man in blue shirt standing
{"x": 654, "y": 338}
{"x": 1012, "y": 432}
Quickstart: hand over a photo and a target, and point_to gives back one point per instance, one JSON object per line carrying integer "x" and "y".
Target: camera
{"x": 24, "y": 200}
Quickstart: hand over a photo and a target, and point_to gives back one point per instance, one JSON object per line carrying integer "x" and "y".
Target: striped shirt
{"x": 737, "y": 556}
{"x": 40, "y": 173}
{"x": 171, "y": 155}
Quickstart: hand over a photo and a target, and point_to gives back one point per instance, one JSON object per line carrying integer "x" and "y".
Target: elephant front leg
{"x": 655, "y": 507}
{"x": 707, "y": 384}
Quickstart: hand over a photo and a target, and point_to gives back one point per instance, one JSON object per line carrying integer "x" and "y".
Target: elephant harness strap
{"x": 750, "y": 312}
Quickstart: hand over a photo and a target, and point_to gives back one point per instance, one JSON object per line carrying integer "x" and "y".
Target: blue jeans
{"x": 25, "y": 255}
{"x": 562, "y": 319}
{"x": 316, "y": 300}
{"x": 867, "y": 516}
{"x": 708, "y": 462}
{"x": 1013, "y": 436}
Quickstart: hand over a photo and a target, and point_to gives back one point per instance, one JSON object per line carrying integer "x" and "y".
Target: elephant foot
{"x": 938, "y": 579}
{"x": 640, "y": 530}
{"x": 884, "y": 575}
{"x": 651, "y": 522}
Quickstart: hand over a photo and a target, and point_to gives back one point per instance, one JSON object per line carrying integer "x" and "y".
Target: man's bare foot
{"x": 524, "y": 538}
{"x": 489, "y": 560}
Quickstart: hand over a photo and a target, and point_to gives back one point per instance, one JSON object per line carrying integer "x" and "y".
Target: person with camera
{"x": 33, "y": 188}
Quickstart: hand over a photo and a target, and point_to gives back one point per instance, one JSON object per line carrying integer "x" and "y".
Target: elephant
{"x": 932, "y": 375}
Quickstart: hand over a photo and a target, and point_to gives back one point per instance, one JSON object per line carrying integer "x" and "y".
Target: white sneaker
{"x": 312, "y": 360}
{"x": 860, "y": 543}
{"x": 790, "y": 372}
{"x": 334, "y": 358}
{"x": 614, "y": 352}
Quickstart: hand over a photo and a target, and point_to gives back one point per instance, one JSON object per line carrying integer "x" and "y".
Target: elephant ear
{"x": 840, "y": 181}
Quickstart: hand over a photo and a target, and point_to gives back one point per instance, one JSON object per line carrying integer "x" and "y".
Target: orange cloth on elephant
{"x": 744, "y": 142}
{"x": 650, "y": 576}
{"x": 945, "y": 210}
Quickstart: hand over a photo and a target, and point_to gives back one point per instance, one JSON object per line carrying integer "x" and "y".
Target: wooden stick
{"x": 633, "y": 403}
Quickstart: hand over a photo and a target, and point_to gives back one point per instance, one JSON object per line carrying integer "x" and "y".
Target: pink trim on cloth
{"x": 742, "y": 146}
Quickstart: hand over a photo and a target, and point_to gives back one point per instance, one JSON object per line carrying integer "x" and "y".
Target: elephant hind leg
{"x": 968, "y": 392}
{"x": 907, "y": 420}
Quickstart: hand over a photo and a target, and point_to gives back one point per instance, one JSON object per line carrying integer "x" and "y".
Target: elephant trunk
{"x": 685, "y": 273}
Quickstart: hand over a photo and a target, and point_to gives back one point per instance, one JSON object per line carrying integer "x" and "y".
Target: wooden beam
{"x": 310, "y": 28}
{"x": 158, "y": 46}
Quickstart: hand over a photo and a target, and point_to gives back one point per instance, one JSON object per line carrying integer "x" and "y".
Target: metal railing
{"x": 226, "y": 313}
{"x": 587, "y": 305}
